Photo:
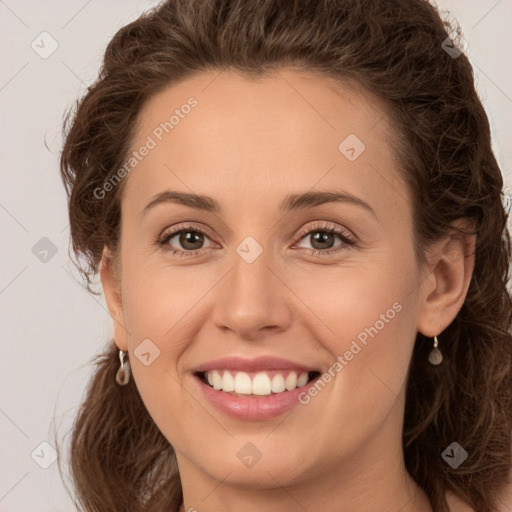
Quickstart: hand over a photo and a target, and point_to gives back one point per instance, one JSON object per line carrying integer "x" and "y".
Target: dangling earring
{"x": 435, "y": 357}
{"x": 123, "y": 373}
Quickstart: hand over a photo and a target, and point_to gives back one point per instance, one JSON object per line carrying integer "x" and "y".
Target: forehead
{"x": 286, "y": 131}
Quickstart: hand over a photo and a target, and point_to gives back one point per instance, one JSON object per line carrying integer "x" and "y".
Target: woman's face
{"x": 254, "y": 276}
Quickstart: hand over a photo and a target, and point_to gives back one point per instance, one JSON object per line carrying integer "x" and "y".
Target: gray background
{"x": 50, "y": 325}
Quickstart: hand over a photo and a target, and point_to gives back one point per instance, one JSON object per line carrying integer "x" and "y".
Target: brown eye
{"x": 322, "y": 239}
{"x": 190, "y": 240}
{"x": 186, "y": 240}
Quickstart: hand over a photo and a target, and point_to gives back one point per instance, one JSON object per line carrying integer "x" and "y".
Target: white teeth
{"x": 243, "y": 383}
{"x": 261, "y": 384}
{"x": 278, "y": 383}
{"x": 217, "y": 380}
{"x": 290, "y": 383}
{"x": 303, "y": 379}
{"x": 228, "y": 382}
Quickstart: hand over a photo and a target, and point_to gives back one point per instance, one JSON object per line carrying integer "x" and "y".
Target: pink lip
{"x": 261, "y": 363}
{"x": 253, "y": 408}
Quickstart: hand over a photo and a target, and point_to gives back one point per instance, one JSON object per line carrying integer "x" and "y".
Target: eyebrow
{"x": 290, "y": 203}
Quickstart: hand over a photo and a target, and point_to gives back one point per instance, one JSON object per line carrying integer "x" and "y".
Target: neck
{"x": 413, "y": 497}
{"x": 372, "y": 477}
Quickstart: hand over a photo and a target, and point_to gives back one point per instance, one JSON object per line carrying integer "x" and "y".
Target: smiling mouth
{"x": 257, "y": 384}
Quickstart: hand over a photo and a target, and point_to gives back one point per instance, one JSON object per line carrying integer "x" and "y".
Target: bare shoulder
{"x": 456, "y": 504}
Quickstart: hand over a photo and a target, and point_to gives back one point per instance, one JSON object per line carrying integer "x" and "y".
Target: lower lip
{"x": 250, "y": 407}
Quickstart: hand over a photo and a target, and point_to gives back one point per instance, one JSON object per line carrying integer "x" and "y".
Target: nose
{"x": 252, "y": 300}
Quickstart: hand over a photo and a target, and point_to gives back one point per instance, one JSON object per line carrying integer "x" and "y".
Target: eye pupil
{"x": 187, "y": 237}
{"x": 322, "y": 237}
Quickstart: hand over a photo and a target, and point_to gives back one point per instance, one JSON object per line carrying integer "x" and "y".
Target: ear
{"x": 110, "y": 281}
{"x": 443, "y": 290}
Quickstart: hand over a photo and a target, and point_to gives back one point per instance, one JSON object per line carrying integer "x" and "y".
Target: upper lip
{"x": 261, "y": 363}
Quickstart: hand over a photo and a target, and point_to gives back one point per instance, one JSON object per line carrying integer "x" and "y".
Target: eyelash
{"x": 347, "y": 239}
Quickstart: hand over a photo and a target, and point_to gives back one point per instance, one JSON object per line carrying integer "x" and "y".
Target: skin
{"x": 247, "y": 144}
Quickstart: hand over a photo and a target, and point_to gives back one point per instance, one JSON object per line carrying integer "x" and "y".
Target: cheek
{"x": 375, "y": 356}
{"x": 371, "y": 386}
{"x": 157, "y": 307}
{"x": 359, "y": 302}
{"x": 158, "y": 300}
{"x": 368, "y": 319}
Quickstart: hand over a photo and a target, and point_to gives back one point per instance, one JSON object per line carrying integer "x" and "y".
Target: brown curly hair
{"x": 394, "y": 49}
